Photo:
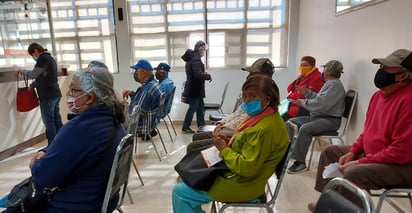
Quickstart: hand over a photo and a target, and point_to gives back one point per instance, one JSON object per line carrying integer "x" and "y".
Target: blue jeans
{"x": 50, "y": 114}
{"x": 198, "y": 106}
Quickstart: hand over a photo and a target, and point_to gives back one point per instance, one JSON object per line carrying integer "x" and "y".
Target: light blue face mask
{"x": 34, "y": 58}
{"x": 252, "y": 108}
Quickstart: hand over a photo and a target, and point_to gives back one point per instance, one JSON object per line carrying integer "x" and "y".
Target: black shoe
{"x": 188, "y": 131}
{"x": 153, "y": 133}
{"x": 297, "y": 167}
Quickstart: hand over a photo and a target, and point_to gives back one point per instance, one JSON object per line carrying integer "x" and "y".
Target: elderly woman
{"x": 80, "y": 158}
{"x": 252, "y": 154}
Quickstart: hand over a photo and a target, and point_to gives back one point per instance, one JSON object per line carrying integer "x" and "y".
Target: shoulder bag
{"x": 26, "y": 98}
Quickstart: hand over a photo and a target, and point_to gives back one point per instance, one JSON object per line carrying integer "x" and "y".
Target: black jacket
{"x": 195, "y": 75}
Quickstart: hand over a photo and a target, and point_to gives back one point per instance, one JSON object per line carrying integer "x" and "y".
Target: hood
{"x": 189, "y": 54}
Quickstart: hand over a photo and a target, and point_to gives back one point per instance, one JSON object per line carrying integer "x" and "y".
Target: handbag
{"x": 26, "y": 97}
{"x": 194, "y": 171}
{"x": 26, "y": 197}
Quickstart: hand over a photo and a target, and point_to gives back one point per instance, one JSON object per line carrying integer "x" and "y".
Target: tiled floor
{"x": 159, "y": 178}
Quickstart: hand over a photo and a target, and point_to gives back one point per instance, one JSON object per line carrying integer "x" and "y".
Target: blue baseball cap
{"x": 163, "y": 66}
{"x": 144, "y": 64}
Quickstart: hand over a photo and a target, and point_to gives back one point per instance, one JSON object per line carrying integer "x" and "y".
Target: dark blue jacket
{"x": 76, "y": 146}
{"x": 195, "y": 75}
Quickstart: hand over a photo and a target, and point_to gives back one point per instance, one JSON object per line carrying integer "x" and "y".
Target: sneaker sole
{"x": 294, "y": 172}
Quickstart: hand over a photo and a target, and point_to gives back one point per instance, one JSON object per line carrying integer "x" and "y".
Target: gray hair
{"x": 99, "y": 81}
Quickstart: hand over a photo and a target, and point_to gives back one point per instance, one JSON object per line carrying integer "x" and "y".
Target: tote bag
{"x": 26, "y": 98}
{"x": 194, "y": 171}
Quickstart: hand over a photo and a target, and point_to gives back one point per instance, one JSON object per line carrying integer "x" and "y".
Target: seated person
{"x": 226, "y": 126}
{"x": 309, "y": 77}
{"x": 81, "y": 143}
{"x": 326, "y": 109}
{"x": 166, "y": 85}
{"x": 147, "y": 97}
{"x": 382, "y": 154}
{"x": 252, "y": 154}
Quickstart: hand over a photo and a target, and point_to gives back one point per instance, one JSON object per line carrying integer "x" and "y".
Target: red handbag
{"x": 26, "y": 98}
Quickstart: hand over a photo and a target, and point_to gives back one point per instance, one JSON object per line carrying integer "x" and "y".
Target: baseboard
{"x": 21, "y": 146}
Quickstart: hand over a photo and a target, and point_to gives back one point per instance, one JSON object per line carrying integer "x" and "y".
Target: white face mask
{"x": 71, "y": 103}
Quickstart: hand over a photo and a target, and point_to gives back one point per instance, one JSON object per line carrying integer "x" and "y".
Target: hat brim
{"x": 250, "y": 69}
{"x": 385, "y": 62}
{"x": 134, "y": 67}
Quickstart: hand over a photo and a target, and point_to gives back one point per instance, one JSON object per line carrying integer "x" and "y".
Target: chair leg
{"x": 213, "y": 207}
{"x": 130, "y": 196}
{"x": 173, "y": 126}
{"x": 137, "y": 171}
{"x": 311, "y": 153}
{"x": 155, "y": 148}
{"x": 167, "y": 128}
{"x": 161, "y": 139}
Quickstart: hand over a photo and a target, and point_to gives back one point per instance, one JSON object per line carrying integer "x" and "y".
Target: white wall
{"x": 354, "y": 39}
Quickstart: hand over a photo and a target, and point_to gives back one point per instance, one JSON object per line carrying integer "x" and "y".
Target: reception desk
{"x": 19, "y": 130}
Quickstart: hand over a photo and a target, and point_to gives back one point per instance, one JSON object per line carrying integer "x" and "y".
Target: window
{"x": 345, "y": 6}
{"x": 237, "y": 31}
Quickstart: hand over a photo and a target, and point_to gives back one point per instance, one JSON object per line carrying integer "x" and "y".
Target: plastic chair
{"x": 166, "y": 114}
{"x": 280, "y": 172}
{"x": 393, "y": 192}
{"x": 350, "y": 100}
{"x": 332, "y": 201}
{"x": 217, "y": 106}
{"x": 119, "y": 173}
{"x": 132, "y": 123}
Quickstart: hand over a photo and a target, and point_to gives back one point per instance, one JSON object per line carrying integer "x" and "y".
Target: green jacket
{"x": 254, "y": 155}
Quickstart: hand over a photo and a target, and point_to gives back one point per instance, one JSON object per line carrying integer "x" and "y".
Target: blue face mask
{"x": 34, "y": 58}
{"x": 252, "y": 108}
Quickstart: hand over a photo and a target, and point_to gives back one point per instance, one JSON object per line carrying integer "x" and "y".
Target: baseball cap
{"x": 263, "y": 65}
{"x": 163, "y": 66}
{"x": 96, "y": 64}
{"x": 399, "y": 58}
{"x": 144, "y": 64}
{"x": 335, "y": 67}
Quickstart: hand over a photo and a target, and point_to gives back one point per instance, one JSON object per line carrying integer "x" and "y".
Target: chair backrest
{"x": 238, "y": 102}
{"x": 133, "y": 120}
{"x": 119, "y": 173}
{"x": 169, "y": 102}
{"x": 224, "y": 94}
{"x": 350, "y": 100}
{"x": 160, "y": 108}
{"x": 332, "y": 201}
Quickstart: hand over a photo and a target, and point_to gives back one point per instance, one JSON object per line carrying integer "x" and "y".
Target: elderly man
{"x": 384, "y": 146}
{"x": 147, "y": 97}
{"x": 326, "y": 109}
{"x": 166, "y": 85}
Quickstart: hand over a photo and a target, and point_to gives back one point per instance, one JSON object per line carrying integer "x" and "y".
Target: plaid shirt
{"x": 148, "y": 98}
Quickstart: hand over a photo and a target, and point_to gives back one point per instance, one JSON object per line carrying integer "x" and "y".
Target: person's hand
{"x": 217, "y": 129}
{"x": 19, "y": 73}
{"x": 346, "y": 158}
{"x": 301, "y": 89}
{"x": 346, "y": 165}
{"x": 295, "y": 102}
{"x": 210, "y": 79}
{"x": 126, "y": 94}
{"x": 36, "y": 158}
{"x": 220, "y": 142}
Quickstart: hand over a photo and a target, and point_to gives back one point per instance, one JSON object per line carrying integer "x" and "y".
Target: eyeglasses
{"x": 73, "y": 90}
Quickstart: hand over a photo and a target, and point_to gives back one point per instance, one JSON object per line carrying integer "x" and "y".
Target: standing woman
{"x": 45, "y": 75}
{"x": 195, "y": 85}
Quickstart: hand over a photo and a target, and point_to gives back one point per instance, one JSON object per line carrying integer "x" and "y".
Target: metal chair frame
{"x": 393, "y": 192}
{"x": 280, "y": 172}
{"x": 350, "y": 101}
{"x": 216, "y": 106}
{"x": 119, "y": 173}
{"x": 170, "y": 102}
{"x": 332, "y": 201}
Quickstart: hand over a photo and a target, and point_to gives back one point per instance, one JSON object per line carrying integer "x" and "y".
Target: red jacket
{"x": 313, "y": 82}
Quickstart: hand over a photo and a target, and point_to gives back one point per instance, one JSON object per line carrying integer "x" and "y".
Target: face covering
{"x": 252, "y": 108}
{"x": 135, "y": 77}
{"x": 383, "y": 78}
{"x": 71, "y": 103}
{"x": 304, "y": 70}
{"x": 34, "y": 58}
{"x": 322, "y": 77}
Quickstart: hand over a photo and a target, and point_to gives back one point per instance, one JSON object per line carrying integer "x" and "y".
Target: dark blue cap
{"x": 144, "y": 64}
{"x": 163, "y": 66}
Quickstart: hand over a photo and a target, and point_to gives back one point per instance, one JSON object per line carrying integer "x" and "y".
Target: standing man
{"x": 195, "y": 85}
{"x": 382, "y": 155}
{"x": 166, "y": 85}
{"x": 147, "y": 97}
{"x": 45, "y": 75}
{"x": 326, "y": 109}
